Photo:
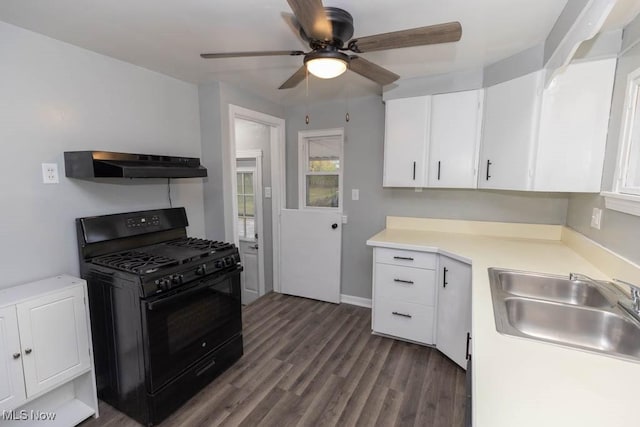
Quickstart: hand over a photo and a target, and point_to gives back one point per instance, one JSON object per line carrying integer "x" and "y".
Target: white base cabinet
{"x": 422, "y": 297}
{"x": 45, "y": 353}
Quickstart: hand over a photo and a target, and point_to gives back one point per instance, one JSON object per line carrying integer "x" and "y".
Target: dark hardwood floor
{"x": 310, "y": 363}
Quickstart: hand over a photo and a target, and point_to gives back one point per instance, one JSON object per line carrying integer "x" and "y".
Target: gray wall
{"x": 364, "y": 137}
{"x": 256, "y": 136}
{"x": 619, "y": 232}
{"x": 55, "y": 97}
{"x": 215, "y": 99}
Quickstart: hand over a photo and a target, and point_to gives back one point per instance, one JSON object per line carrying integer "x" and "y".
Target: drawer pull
{"x": 406, "y": 258}
{"x": 395, "y": 313}
{"x": 410, "y": 282}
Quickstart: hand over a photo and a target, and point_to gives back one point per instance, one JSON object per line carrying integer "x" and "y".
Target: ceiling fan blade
{"x": 295, "y": 79}
{"x": 294, "y": 25}
{"x": 374, "y": 72}
{"x": 433, "y": 34}
{"x": 246, "y": 54}
{"x": 312, "y": 18}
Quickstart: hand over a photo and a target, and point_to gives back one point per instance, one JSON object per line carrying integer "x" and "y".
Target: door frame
{"x": 278, "y": 177}
{"x": 257, "y": 196}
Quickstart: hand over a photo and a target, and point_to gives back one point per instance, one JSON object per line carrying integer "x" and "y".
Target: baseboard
{"x": 359, "y": 301}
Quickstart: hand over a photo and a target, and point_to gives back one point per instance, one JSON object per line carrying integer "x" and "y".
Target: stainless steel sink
{"x": 553, "y": 288}
{"x": 574, "y": 313}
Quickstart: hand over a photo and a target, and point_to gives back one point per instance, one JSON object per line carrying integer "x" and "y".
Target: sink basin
{"x": 575, "y": 313}
{"x": 552, "y": 288}
{"x": 596, "y": 330}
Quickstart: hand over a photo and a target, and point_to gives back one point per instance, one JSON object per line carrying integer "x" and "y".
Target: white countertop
{"x": 519, "y": 382}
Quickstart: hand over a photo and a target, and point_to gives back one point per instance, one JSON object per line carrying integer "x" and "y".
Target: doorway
{"x": 257, "y": 184}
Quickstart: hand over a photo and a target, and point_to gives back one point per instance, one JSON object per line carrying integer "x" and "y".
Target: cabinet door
{"x": 511, "y": 113}
{"x": 454, "y": 309}
{"x": 54, "y": 338}
{"x": 455, "y": 129}
{"x": 12, "y": 393}
{"x": 573, "y": 128}
{"x": 405, "y": 142}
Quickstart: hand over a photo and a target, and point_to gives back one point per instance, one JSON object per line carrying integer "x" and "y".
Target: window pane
{"x": 241, "y": 231}
{"x": 241, "y": 208}
{"x": 324, "y": 155}
{"x": 240, "y": 189}
{"x": 248, "y": 183}
{"x": 248, "y": 206}
{"x": 633, "y": 171}
{"x": 251, "y": 228}
{"x": 322, "y": 191}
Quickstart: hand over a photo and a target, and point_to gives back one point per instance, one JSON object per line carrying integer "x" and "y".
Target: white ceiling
{"x": 168, "y": 36}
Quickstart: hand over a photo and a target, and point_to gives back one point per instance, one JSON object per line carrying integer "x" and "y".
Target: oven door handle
{"x": 153, "y": 305}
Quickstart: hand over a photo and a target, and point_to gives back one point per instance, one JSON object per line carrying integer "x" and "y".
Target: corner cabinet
{"x": 422, "y": 297}
{"x": 45, "y": 349}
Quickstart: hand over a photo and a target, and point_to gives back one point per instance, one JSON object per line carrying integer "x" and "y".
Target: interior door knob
{"x": 334, "y": 225}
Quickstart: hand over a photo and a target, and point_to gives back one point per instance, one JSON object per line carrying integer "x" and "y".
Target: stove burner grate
{"x": 200, "y": 244}
{"x": 135, "y": 261}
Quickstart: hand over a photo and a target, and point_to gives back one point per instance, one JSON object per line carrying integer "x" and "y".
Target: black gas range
{"x": 165, "y": 309}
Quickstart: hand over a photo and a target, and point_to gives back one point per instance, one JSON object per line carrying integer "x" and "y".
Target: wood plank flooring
{"x": 309, "y": 363}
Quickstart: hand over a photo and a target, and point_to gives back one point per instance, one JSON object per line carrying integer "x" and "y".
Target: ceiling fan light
{"x": 326, "y": 68}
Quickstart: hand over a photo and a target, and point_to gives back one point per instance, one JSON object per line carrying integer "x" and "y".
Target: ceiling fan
{"x": 328, "y": 29}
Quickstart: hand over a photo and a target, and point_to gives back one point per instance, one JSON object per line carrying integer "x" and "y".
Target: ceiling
{"x": 168, "y": 36}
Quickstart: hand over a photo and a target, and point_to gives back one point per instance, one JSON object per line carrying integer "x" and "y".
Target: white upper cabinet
{"x": 454, "y": 138}
{"x": 573, "y": 128}
{"x": 511, "y": 111}
{"x": 406, "y": 123}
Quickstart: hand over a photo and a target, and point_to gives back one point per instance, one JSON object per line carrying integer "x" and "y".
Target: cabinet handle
{"x": 406, "y": 258}
{"x": 27, "y": 351}
{"x": 444, "y": 278}
{"x": 488, "y": 165}
{"x": 403, "y": 281}
{"x": 438, "y": 170}
{"x": 395, "y": 313}
{"x": 468, "y": 356}
{"x": 16, "y": 355}
{"x": 414, "y": 171}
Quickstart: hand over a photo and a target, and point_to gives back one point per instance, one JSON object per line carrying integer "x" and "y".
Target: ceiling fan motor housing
{"x": 341, "y": 29}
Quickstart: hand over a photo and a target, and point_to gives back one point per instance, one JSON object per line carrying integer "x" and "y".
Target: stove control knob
{"x": 219, "y": 264}
{"x": 202, "y": 270}
{"x": 164, "y": 284}
{"x": 176, "y": 279}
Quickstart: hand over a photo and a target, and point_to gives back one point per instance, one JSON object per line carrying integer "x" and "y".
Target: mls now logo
{"x": 24, "y": 415}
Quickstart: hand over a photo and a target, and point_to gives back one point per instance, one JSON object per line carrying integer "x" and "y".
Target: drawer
{"x": 408, "y": 258}
{"x": 408, "y": 284}
{"x": 404, "y": 320}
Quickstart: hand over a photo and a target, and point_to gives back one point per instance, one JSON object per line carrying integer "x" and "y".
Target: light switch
{"x": 344, "y": 219}
{"x": 355, "y": 194}
{"x": 267, "y": 192}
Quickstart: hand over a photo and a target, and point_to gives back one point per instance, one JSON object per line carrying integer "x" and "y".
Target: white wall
{"x": 55, "y": 97}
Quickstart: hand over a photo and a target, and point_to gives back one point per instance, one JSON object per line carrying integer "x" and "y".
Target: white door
{"x": 12, "y": 392}
{"x": 511, "y": 111}
{"x": 455, "y": 129}
{"x": 405, "y": 142}
{"x": 311, "y": 245}
{"x": 54, "y": 339}
{"x": 454, "y": 309}
{"x": 249, "y": 197}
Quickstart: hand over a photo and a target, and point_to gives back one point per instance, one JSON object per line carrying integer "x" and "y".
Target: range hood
{"x": 105, "y": 164}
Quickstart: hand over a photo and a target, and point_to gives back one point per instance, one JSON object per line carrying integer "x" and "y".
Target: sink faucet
{"x": 634, "y": 290}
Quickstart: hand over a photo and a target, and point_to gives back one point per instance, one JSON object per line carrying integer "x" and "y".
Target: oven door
{"x": 182, "y": 327}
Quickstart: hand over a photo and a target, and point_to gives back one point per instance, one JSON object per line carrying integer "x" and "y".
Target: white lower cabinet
{"x": 45, "y": 351}
{"x": 422, "y": 297}
{"x": 454, "y": 309}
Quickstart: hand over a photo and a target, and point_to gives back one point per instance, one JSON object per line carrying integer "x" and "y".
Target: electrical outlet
{"x": 596, "y": 218}
{"x": 50, "y": 173}
{"x": 355, "y": 194}
{"x": 267, "y": 192}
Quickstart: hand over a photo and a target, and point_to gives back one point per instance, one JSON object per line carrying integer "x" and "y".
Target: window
{"x": 625, "y": 196}
{"x": 246, "y": 205}
{"x": 320, "y": 166}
